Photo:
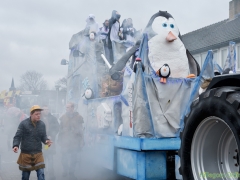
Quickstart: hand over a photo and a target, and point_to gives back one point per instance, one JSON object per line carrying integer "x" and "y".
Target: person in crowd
{"x": 113, "y": 35}
{"x": 104, "y": 31}
{"x": 114, "y": 26}
{"x": 123, "y": 30}
{"x": 22, "y": 115}
{"x": 70, "y": 139}
{"x": 52, "y": 128}
{"x": 130, "y": 31}
{"x": 103, "y": 36}
{"x": 31, "y": 133}
{"x": 2, "y": 113}
{"x": 12, "y": 118}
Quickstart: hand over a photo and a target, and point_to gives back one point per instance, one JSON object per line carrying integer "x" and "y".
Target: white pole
{"x": 106, "y": 61}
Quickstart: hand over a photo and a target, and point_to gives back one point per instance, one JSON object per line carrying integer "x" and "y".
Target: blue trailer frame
{"x": 136, "y": 158}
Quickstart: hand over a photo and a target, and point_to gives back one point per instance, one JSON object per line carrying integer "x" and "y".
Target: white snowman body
{"x": 165, "y": 51}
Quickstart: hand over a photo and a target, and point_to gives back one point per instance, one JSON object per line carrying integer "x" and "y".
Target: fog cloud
{"x": 34, "y": 35}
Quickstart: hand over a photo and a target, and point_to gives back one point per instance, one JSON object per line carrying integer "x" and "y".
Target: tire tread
{"x": 225, "y": 93}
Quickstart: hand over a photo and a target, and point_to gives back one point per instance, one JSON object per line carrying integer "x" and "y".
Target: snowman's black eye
{"x": 164, "y": 24}
{"x": 171, "y": 25}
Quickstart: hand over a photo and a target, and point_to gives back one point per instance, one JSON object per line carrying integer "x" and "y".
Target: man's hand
{"x": 48, "y": 142}
{"x": 15, "y": 149}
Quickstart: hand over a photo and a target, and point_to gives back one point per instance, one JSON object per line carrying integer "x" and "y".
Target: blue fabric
{"x": 40, "y": 174}
{"x": 231, "y": 57}
{"x": 143, "y": 47}
{"x": 206, "y": 73}
{"x": 142, "y": 119}
{"x": 217, "y": 67}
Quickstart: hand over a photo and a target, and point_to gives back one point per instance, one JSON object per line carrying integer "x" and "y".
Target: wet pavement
{"x": 86, "y": 168}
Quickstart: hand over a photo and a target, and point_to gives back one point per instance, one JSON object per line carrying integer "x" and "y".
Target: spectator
{"x": 52, "y": 128}
{"x": 114, "y": 25}
{"x": 130, "y": 31}
{"x": 104, "y": 31}
{"x": 103, "y": 36}
{"x": 70, "y": 139}
{"x": 31, "y": 133}
{"x": 13, "y": 116}
{"x": 123, "y": 30}
{"x": 113, "y": 34}
{"x": 1, "y": 118}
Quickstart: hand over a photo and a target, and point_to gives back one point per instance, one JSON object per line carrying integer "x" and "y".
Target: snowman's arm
{"x": 193, "y": 64}
{"x": 123, "y": 60}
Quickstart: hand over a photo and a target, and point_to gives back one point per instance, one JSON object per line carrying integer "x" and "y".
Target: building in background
{"x": 7, "y": 98}
{"x": 54, "y": 99}
{"x": 216, "y": 37}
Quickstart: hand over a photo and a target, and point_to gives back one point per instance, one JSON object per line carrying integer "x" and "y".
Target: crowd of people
{"x": 112, "y": 31}
{"x": 29, "y": 132}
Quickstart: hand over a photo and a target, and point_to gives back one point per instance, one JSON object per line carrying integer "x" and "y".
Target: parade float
{"x": 154, "y": 103}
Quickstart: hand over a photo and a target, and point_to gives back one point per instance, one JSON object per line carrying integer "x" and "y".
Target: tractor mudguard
{"x": 225, "y": 80}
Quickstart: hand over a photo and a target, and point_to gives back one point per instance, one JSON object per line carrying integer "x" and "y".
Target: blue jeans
{"x": 40, "y": 174}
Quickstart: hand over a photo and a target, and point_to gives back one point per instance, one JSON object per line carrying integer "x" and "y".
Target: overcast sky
{"x": 34, "y": 35}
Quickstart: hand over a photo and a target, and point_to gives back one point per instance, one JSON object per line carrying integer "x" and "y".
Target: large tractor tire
{"x": 210, "y": 141}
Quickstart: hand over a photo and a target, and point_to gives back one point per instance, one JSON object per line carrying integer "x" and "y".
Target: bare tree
{"x": 32, "y": 80}
{"x": 62, "y": 82}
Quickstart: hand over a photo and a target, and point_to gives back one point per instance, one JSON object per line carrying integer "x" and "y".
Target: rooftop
{"x": 213, "y": 36}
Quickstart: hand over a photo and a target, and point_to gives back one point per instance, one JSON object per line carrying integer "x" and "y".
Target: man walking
{"x": 52, "y": 128}
{"x": 31, "y": 133}
{"x": 70, "y": 139}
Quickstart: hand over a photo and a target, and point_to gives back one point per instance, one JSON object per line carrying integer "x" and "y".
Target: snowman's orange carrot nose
{"x": 170, "y": 37}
